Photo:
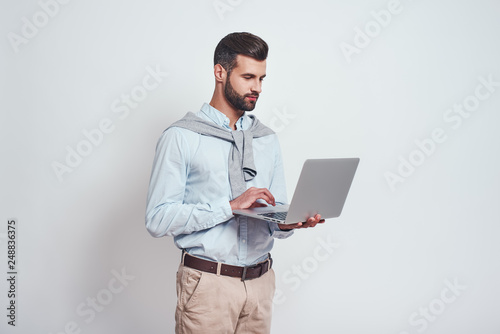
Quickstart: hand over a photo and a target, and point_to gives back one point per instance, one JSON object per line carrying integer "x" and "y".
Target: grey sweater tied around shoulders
{"x": 241, "y": 164}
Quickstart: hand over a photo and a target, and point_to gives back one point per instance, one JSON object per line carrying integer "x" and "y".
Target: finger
{"x": 318, "y": 222}
{"x": 266, "y": 195}
{"x": 308, "y": 222}
{"x": 257, "y": 205}
{"x": 312, "y": 222}
{"x": 318, "y": 219}
{"x": 254, "y": 194}
{"x": 269, "y": 200}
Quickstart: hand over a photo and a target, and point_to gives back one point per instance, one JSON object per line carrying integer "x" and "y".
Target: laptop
{"x": 322, "y": 188}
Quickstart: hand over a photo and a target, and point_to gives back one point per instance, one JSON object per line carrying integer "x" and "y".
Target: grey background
{"x": 391, "y": 255}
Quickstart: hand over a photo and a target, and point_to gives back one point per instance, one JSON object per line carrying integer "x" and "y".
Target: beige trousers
{"x": 207, "y": 303}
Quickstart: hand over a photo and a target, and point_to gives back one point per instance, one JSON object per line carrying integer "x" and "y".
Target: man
{"x": 207, "y": 165}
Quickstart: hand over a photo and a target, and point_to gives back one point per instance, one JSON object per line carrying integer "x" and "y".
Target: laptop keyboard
{"x": 275, "y": 215}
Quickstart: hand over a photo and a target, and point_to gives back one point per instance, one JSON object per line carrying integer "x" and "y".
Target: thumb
{"x": 257, "y": 205}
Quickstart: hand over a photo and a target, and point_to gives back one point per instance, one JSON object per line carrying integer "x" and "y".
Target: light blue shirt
{"x": 189, "y": 194}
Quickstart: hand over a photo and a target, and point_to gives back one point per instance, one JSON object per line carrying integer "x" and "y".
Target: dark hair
{"x": 239, "y": 43}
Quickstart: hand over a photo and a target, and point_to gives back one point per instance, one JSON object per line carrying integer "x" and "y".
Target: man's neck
{"x": 227, "y": 109}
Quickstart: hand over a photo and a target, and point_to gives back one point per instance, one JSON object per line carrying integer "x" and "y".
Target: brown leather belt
{"x": 219, "y": 268}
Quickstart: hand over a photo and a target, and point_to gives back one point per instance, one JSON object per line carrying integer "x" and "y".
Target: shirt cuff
{"x": 224, "y": 212}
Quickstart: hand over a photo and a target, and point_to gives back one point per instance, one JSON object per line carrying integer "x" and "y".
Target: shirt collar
{"x": 210, "y": 113}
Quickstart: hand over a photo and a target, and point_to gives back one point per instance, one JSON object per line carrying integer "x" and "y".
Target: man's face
{"x": 244, "y": 84}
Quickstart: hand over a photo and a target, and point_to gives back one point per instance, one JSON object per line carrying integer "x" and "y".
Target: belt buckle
{"x": 268, "y": 262}
{"x": 244, "y": 274}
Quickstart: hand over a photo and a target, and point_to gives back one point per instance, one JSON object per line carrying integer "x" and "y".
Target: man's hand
{"x": 311, "y": 222}
{"x": 249, "y": 199}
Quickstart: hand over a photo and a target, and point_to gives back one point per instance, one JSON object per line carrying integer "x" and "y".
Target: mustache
{"x": 252, "y": 95}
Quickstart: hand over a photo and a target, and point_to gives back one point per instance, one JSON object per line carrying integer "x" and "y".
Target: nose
{"x": 257, "y": 86}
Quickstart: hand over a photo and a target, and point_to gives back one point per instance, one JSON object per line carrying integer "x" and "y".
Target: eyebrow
{"x": 252, "y": 75}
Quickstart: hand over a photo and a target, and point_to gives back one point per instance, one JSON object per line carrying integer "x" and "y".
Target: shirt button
{"x": 243, "y": 241}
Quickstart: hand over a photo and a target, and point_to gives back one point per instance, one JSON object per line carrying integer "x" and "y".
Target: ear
{"x": 219, "y": 73}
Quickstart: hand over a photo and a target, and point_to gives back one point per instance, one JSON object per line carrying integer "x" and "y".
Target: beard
{"x": 238, "y": 101}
